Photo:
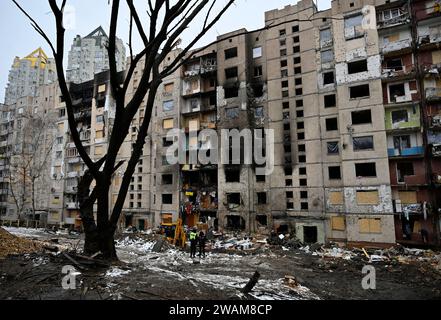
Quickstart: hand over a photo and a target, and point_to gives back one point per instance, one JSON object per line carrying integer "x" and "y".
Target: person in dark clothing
{"x": 193, "y": 242}
{"x": 202, "y": 239}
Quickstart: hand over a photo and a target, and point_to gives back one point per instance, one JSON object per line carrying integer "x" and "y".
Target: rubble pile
{"x": 10, "y": 244}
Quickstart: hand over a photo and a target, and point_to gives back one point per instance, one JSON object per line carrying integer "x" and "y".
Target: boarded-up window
{"x": 99, "y": 150}
{"x": 168, "y": 88}
{"x": 114, "y": 198}
{"x": 436, "y": 57}
{"x": 367, "y": 197}
{"x": 61, "y": 127}
{"x": 167, "y": 124}
{"x": 57, "y": 170}
{"x": 408, "y": 197}
{"x": 392, "y": 38}
{"x": 193, "y": 125}
{"x": 117, "y": 181}
{"x": 102, "y": 88}
{"x": 99, "y": 134}
{"x": 336, "y": 197}
{"x": 369, "y": 225}
{"x": 338, "y": 223}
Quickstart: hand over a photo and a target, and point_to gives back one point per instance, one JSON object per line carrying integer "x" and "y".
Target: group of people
{"x": 195, "y": 240}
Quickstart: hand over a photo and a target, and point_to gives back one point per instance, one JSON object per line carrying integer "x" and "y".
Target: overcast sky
{"x": 20, "y": 39}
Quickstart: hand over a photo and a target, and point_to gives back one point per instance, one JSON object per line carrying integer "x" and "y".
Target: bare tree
{"x": 160, "y": 34}
{"x": 29, "y": 159}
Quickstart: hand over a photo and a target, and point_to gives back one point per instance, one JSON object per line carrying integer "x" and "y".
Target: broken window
{"x": 363, "y": 143}
{"x": 296, "y": 39}
{"x": 298, "y": 81}
{"x": 328, "y": 78}
{"x": 309, "y": 234}
{"x": 296, "y": 49}
{"x": 400, "y": 116}
{"x": 401, "y": 142}
{"x": 353, "y": 26}
{"x": 297, "y": 70}
{"x": 289, "y": 194}
{"x": 359, "y": 91}
{"x": 260, "y": 178}
{"x": 231, "y": 92}
{"x": 333, "y": 147}
{"x": 235, "y": 222}
{"x": 366, "y": 169}
{"x": 302, "y": 159}
{"x": 283, "y": 52}
{"x": 302, "y": 148}
{"x": 357, "y": 66}
{"x": 334, "y": 173}
{"x": 302, "y": 171}
{"x": 257, "y": 52}
{"x": 325, "y": 37}
{"x": 282, "y": 42}
{"x": 303, "y": 194}
{"x": 288, "y": 182}
{"x": 258, "y": 112}
{"x": 304, "y": 206}
{"x": 283, "y": 63}
{"x": 262, "y": 219}
{"x": 233, "y": 199}
{"x": 295, "y": 29}
{"x": 289, "y": 205}
{"x": 361, "y": 117}
{"x": 167, "y": 179}
{"x": 331, "y": 124}
{"x": 168, "y": 105}
{"x": 285, "y": 105}
{"x": 300, "y": 125}
{"x": 396, "y": 91}
{"x": 232, "y": 175}
{"x": 230, "y": 53}
{"x": 261, "y": 198}
{"x": 167, "y": 198}
{"x": 300, "y": 114}
{"x": 288, "y": 171}
{"x": 284, "y": 73}
{"x": 257, "y": 90}
{"x": 258, "y": 71}
{"x": 404, "y": 169}
{"x": 330, "y": 101}
{"x": 299, "y": 103}
{"x": 282, "y": 32}
{"x": 231, "y": 73}
{"x": 301, "y": 136}
{"x": 297, "y": 60}
{"x": 299, "y": 92}
{"x": 327, "y": 56}
{"x": 395, "y": 64}
{"x": 303, "y": 182}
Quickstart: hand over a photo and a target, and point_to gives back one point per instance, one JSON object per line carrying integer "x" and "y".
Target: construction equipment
{"x": 174, "y": 232}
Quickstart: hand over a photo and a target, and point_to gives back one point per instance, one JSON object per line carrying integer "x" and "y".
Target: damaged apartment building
{"x": 355, "y": 107}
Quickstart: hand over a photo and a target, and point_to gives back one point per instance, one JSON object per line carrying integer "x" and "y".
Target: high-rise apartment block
{"x": 29, "y": 73}
{"x": 89, "y": 56}
{"x": 352, "y": 95}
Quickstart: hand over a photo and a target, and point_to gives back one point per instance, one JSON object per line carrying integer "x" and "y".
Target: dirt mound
{"x": 10, "y": 244}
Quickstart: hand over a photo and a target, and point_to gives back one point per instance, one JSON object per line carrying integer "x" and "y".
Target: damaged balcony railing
{"x": 397, "y": 45}
{"x": 402, "y": 18}
{"x": 397, "y": 71}
{"x": 433, "y": 94}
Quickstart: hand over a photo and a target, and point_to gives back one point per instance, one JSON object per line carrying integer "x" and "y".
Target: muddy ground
{"x": 171, "y": 274}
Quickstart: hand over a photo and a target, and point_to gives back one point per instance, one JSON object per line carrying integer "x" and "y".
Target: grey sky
{"x": 20, "y": 39}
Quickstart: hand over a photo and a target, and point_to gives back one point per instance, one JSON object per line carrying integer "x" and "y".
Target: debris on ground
{"x": 10, "y": 244}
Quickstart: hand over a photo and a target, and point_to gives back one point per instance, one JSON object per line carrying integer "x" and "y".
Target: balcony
{"x": 433, "y": 94}
{"x": 402, "y": 18}
{"x": 432, "y": 70}
{"x": 85, "y": 135}
{"x": 407, "y": 152}
{"x": 74, "y": 174}
{"x": 74, "y": 160}
{"x": 398, "y": 73}
{"x": 409, "y": 208}
{"x": 72, "y": 205}
{"x": 397, "y": 46}
{"x": 436, "y": 150}
{"x": 435, "y": 122}
{"x": 429, "y": 40}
